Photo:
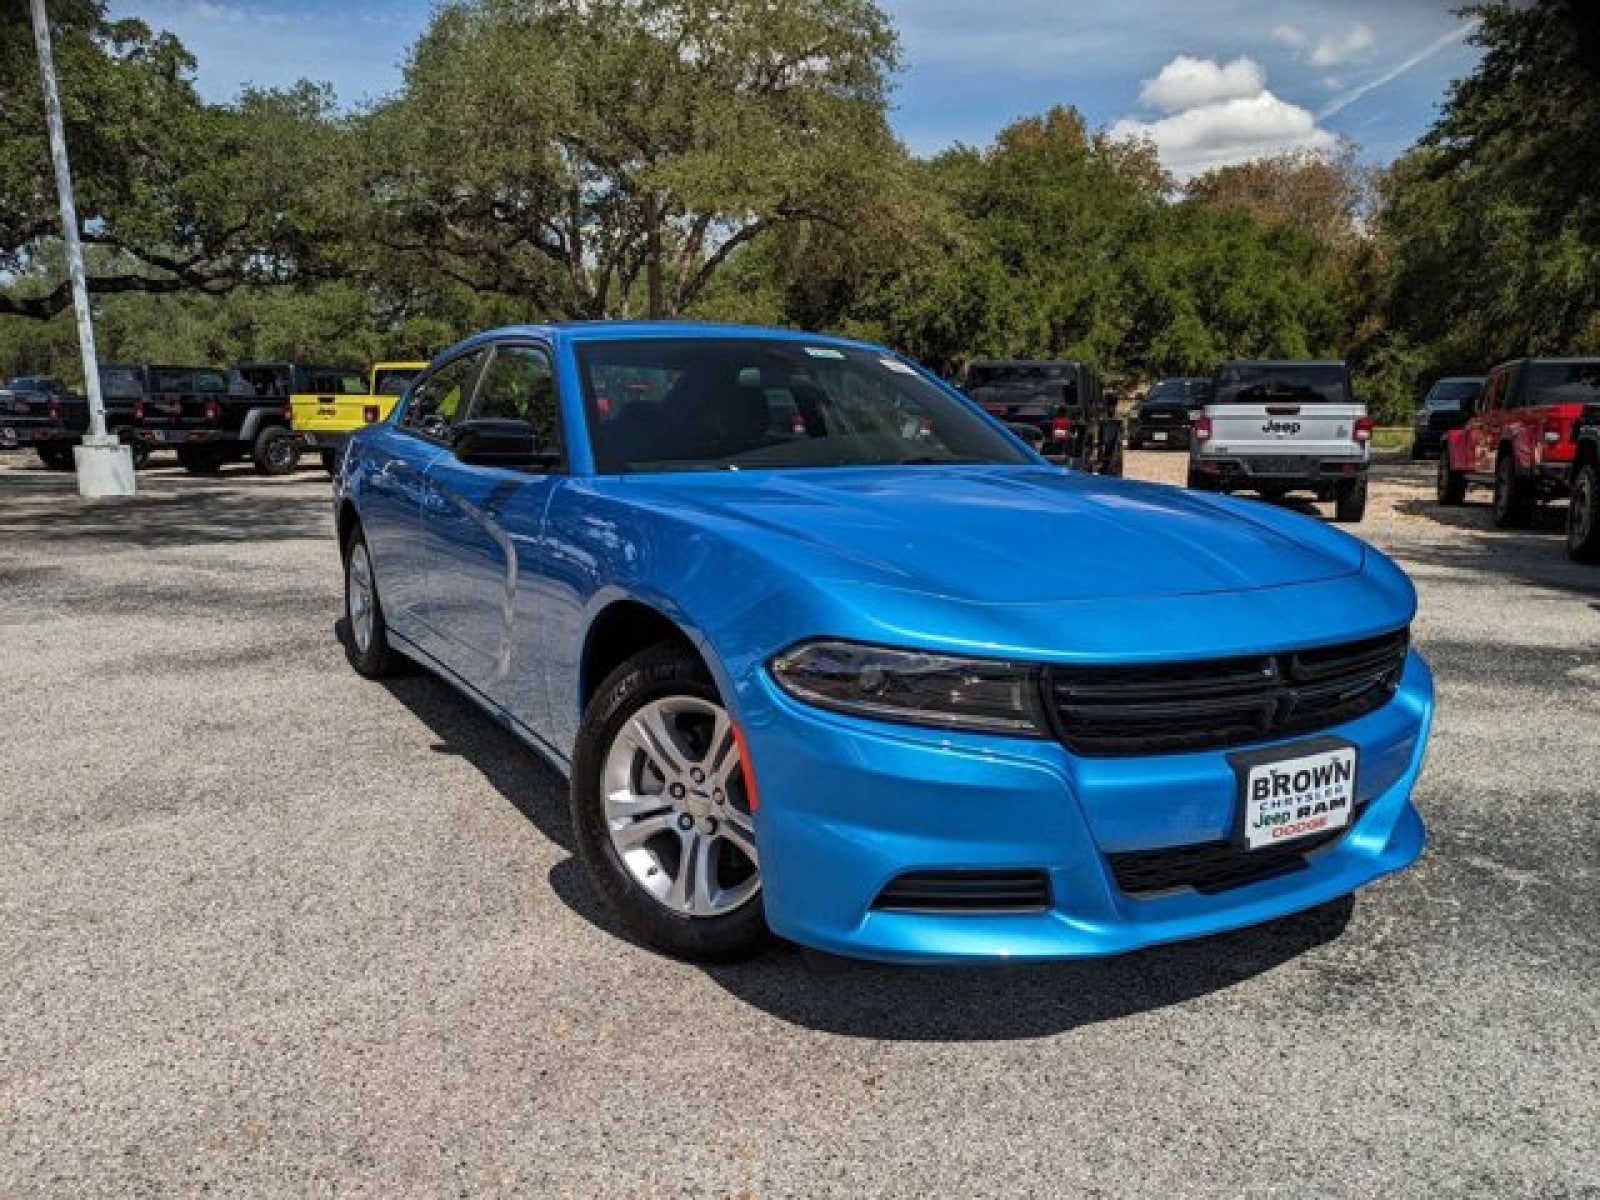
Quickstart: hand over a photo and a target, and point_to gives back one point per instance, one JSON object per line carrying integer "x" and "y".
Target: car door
{"x": 482, "y": 525}
{"x": 1484, "y": 428}
{"x": 393, "y": 491}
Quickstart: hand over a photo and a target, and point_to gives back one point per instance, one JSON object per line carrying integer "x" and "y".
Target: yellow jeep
{"x": 323, "y": 422}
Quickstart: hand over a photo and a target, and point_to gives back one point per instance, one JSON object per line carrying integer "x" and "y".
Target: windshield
{"x": 1562, "y": 382}
{"x": 1282, "y": 383}
{"x": 1448, "y": 395}
{"x": 707, "y": 404}
{"x": 1178, "y": 393}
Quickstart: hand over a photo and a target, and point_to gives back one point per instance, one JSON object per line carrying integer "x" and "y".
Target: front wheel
{"x": 1350, "y": 502}
{"x": 1583, "y": 516}
{"x": 275, "y": 451}
{"x": 1450, "y": 486}
{"x": 663, "y": 813}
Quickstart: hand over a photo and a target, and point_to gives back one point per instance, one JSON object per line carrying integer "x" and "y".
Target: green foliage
{"x": 1491, "y": 225}
{"x": 731, "y": 159}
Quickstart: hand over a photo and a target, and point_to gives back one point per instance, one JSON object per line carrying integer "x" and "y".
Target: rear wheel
{"x": 275, "y": 451}
{"x": 141, "y": 455}
{"x": 56, "y": 457}
{"x": 367, "y": 646}
{"x": 1583, "y": 516}
{"x": 1350, "y": 501}
{"x": 330, "y": 462}
{"x": 1201, "y": 481}
{"x": 1513, "y": 497}
{"x": 1450, "y": 487}
{"x": 662, "y": 811}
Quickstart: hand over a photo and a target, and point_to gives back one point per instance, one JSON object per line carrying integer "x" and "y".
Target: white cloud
{"x": 1187, "y": 82}
{"x": 1330, "y": 50}
{"x": 1205, "y": 128}
{"x": 1337, "y": 49}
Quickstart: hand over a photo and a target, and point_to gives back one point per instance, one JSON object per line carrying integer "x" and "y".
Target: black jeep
{"x": 42, "y": 412}
{"x": 212, "y": 418}
{"x": 1063, "y": 400}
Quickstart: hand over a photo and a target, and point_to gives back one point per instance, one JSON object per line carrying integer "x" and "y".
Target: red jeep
{"x": 1519, "y": 439}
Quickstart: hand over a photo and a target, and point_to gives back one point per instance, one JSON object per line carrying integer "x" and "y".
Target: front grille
{"x": 1211, "y": 866}
{"x": 966, "y": 891}
{"x": 1182, "y": 707}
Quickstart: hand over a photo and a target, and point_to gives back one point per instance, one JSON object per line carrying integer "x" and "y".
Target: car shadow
{"x": 872, "y": 1000}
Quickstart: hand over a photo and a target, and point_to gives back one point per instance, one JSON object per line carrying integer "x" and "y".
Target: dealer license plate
{"x": 1286, "y": 799}
{"x": 1158, "y": 437}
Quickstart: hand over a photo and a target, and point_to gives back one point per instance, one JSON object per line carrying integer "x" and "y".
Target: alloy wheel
{"x": 359, "y": 598}
{"x": 676, "y": 808}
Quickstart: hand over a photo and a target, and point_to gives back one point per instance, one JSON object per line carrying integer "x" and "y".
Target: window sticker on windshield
{"x": 895, "y": 364}
{"x": 824, "y": 352}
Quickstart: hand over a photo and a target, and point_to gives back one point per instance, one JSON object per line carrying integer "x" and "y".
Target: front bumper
{"x": 846, "y": 806}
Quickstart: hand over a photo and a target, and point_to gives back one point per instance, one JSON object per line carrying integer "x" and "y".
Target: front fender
{"x": 257, "y": 419}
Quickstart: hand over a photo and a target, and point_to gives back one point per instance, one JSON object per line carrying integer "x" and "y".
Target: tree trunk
{"x": 654, "y": 292}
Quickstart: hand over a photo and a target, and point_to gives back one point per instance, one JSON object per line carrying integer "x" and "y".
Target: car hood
{"x": 1006, "y": 535}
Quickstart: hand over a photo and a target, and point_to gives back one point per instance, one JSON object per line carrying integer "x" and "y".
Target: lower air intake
{"x": 965, "y": 891}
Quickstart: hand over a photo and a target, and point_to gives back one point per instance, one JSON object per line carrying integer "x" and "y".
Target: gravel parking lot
{"x": 266, "y": 928}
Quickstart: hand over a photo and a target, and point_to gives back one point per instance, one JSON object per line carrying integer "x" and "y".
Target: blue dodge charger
{"x": 828, "y": 653}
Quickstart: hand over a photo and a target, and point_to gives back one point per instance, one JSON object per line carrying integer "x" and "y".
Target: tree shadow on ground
{"x": 870, "y": 1000}
{"x": 169, "y": 509}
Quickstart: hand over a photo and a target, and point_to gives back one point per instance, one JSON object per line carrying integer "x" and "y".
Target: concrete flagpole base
{"x": 105, "y": 467}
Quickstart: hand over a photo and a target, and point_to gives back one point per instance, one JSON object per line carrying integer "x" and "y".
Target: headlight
{"x": 910, "y": 686}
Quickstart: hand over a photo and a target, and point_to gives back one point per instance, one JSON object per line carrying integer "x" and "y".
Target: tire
{"x": 367, "y": 646}
{"x": 1350, "y": 501}
{"x": 330, "y": 462}
{"x": 1583, "y": 516}
{"x": 1513, "y": 498}
{"x": 656, "y": 732}
{"x": 1114, "y": 467}
{"x": 1450, "y": 486}
{"x": 275, "y": 451}
{"x": 141, "y": 455}
{"x": 57, "y": 458}
{"x": 1202, "y": 482}
{"x": 199, "y": 460}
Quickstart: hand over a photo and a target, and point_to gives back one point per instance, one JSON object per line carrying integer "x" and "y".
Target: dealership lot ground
{"x": 266, "y": 928}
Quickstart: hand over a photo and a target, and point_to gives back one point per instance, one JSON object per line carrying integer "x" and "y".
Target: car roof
{"x": 1025, "y": 362}
{"x": 604, "y": 331}
{"x": 1553, "y": 358}
{"x": 1282, "y": 362}
{"x": 1459, "y": 379}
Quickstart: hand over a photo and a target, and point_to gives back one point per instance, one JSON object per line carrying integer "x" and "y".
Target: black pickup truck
{"x": 213, "y": 417}
{"x": 1583, "y": 510}
{"x": 1063, "y": 400}
{"x": 42, "y": 412}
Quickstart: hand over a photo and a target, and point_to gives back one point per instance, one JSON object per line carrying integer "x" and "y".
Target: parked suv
{"x": 1583, "y": 511}
{"x": 45, "y": 413}
{"x": 1162, "y": 418}
{"x": 1448, "y": 405}
{"x": 1519, "y": 438}
{"x": 324, "y": 422}
{"x": 1278, "y": 427}
{"x": 1064, "y": 400}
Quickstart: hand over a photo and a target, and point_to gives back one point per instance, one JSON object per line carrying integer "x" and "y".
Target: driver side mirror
{"x": 1031, "y": 434}
{"x": 498, "y": 442}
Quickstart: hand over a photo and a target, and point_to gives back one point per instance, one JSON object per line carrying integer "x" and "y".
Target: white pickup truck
{"x": 1278, "y": 427}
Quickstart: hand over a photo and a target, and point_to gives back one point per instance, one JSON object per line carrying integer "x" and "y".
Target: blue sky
{"x": 1212, "y": 81}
